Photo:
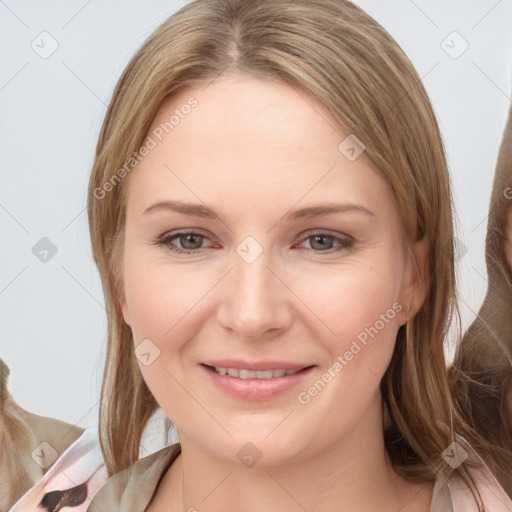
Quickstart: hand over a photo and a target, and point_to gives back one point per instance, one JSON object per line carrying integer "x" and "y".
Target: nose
{"x": 256, "y": 301}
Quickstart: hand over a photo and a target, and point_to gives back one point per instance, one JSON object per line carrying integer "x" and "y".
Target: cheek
{"x": 359, "y": 313}
{"x": 159, "y": 297}
{"x": 165, "y": 304}
{"x": 359, "y": 303}
{"x": 161, "y": 306}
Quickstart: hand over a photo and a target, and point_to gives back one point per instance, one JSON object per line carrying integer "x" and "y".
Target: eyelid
{"x": 168, "y": 235}
{"x": 344, "y": 240}
{"x": 164, "y": 240}
{"x": 320, "y": 231}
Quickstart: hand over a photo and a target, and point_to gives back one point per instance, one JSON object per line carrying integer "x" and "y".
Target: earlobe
{"x": 124, "y": 308}
{"x": 126, "y": 314}
{"x": 416, "y": 282}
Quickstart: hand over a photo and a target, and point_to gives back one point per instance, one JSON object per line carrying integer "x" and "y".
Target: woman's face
{"x": 295, "y": 263}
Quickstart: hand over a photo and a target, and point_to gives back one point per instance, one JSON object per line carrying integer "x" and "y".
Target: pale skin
{"x": 253, "y": 150}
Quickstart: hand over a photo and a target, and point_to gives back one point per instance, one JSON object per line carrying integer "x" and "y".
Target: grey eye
{"x": 191, "y": 241}
{"x": 321, "y": 242}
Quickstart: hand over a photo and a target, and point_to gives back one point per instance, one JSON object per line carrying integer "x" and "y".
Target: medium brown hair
{"x": 481, "y": 374}
{"x": 334, "y": 51}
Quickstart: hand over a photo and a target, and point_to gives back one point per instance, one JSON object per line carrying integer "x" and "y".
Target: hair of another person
{"x": 481, "y": 374}
{"x": 17, "y": 443}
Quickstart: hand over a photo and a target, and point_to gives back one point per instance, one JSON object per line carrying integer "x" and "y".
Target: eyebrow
{"x": 203, "y": 211}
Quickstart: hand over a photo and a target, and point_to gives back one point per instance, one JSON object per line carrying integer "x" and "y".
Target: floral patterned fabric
{"x": 71, "y": 482}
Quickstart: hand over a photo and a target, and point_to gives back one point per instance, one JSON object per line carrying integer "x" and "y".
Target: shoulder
{"x": 133, "y": 488}
{"x": 59, "y": 434}
{"x": 76, "y": 475}
{"x": 472, "y": 488}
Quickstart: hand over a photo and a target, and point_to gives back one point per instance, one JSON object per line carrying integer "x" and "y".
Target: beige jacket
{"x": 131, "y": 490}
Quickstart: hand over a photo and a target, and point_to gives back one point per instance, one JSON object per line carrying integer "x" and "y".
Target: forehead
{"x": 256, "y": 138}
{"x": 242, "y": 112}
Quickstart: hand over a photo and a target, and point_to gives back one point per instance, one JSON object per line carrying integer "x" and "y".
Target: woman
{"x": 270, "y": 213}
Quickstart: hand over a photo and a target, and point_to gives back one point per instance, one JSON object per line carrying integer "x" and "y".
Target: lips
{"x": 243, "y": 373}
{"x": 255, "y": 381}
{"x": 256, "y": 366}
{"x": 255, "y": 370}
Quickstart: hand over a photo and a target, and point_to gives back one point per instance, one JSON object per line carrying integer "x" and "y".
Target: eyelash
{"x": 166, "y": 239}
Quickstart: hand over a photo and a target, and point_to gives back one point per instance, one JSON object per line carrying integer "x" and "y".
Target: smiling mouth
{"x": 242, "y": 373}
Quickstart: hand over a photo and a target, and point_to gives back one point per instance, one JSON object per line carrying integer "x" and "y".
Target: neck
{"x": 354, "y": 474}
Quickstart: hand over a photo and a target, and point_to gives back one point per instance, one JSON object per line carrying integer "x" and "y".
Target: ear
{"x": 416, "y": 279}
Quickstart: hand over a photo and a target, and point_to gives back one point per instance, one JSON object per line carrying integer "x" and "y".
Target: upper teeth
{"x": 251, "y": 374}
